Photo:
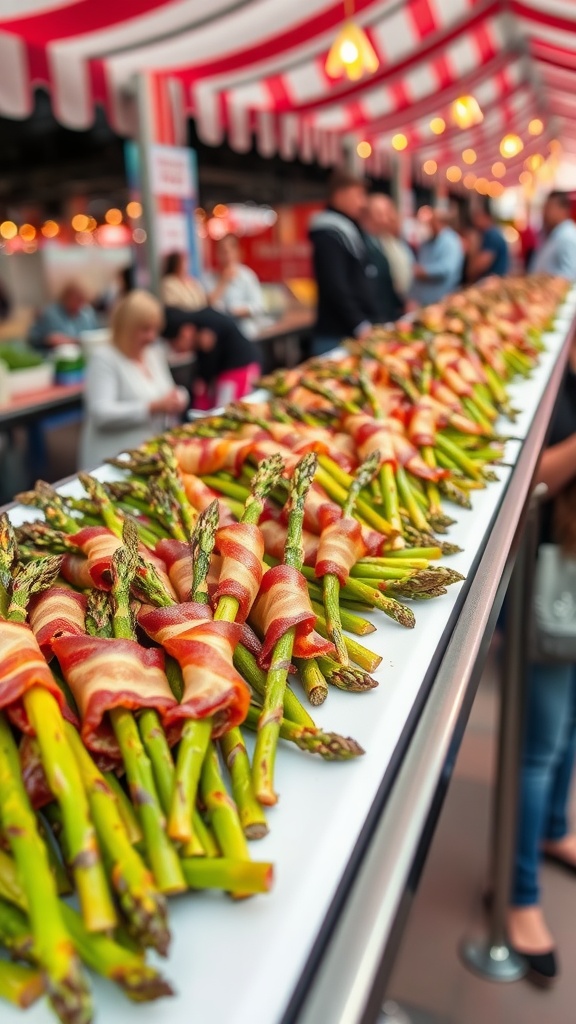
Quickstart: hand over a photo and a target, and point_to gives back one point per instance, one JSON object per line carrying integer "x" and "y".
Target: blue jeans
{"x": 321, "y": 345}
{"x": 546, "y": 772}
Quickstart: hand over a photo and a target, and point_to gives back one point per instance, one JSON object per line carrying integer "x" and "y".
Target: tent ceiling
{"x": 254, "y": 69}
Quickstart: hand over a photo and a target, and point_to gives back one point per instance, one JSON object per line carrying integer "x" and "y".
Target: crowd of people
{"x": 366, "y": 273}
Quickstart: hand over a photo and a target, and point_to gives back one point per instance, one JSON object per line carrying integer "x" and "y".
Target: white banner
{"x": 171, "y": 172}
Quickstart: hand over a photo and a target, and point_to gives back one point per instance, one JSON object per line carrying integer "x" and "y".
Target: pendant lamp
{"x": 351, "y": 54}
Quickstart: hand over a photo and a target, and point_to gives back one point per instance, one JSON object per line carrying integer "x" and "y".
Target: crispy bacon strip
{"x": 282, "y": 604}
{"x": 98, "y": 544}
{"x": 76, "y": 570}
{"x": 242, "y": 548}
{"x": 105, "y": 673}
{"x": 341, "y": 546}
{"x": 203, "y": 649}
{"x": 200, "y": 496}
{"x": 56, "y": 612}
{"x": 274, "y": 534}
{"x": 22, "y": 667}
{"x": 175, "y": 555}
{"x": 200, "y": 455}
{"x": 372, "y": 435}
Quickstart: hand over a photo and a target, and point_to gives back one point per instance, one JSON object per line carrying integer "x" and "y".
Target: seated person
{"x": 177, "y": 288}
{"x": 63, "y": 322}
{"x": 130, "y": 394}
{"x": 227, "y": 364}
{"x": 235, "y": 288}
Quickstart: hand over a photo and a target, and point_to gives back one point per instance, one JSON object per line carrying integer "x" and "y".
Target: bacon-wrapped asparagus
{"x": 281, "y": 653}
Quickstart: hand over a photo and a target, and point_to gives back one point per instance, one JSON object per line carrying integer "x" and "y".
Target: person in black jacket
{"x": 346, "y": 275}
{"x": 227, "y": 364}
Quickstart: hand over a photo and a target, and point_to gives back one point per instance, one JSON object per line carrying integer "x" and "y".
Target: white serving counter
{"x": 246, "y": 962}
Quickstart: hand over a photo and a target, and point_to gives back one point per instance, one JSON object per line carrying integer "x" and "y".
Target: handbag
{"x": 553, "y": 636}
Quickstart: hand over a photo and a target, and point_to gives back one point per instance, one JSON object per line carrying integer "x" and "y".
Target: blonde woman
{"x": 130, "y": 394}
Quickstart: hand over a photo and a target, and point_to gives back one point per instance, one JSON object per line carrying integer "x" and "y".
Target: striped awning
{"x": 253, "y": 71}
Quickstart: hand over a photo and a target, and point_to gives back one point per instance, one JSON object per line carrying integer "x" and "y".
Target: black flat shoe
{"x": 542, "y": 967}
{"x": 561, "y": 862}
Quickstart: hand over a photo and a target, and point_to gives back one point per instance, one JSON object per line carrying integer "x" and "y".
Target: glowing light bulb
{"x": 469, "y": 156}
{"x": 399, "y": 141}
{"x": 348, "y": 51}
{"x": 429, "y": 167}
{"x": 498, "y": 169}
{"x": 536, "y": 126}
{"x": 364, "y": 150}
{"x": 511, "y": 145}
{"x": 437, "y": 125}
{"x": 466, "y": 112}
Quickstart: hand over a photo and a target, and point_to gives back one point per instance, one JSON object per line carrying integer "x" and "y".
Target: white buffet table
{"x": 240, "y": 963}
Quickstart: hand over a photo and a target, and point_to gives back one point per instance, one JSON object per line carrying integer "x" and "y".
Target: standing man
{"x": 438, "y": 270}
{"x": 557, "y": 254}
{"x": 391, "y": 257}
{"x": 488, "y": 253}
{"x": 386, "y": 228}
{"x": 344, "y": 271}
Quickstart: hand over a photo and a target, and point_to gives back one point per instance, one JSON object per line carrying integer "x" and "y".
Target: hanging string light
{"x": 511, "y": 145}
{"x": 466, "y": 112}
{"x": 351, "y": 54}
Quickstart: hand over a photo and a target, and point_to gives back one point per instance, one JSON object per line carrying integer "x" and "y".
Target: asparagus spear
{"x": 328, "y": 745}
{"x": 57, "y": 758}
{"x": 196, "y": 733}
{"x": 270, "y": 718}
{"x": 20, "y": 985}
{"x": 65, "y": 982}
{"x": 330, "y": 582}
{"x": 163, "y": 857}
{"x": 144, "y": 907}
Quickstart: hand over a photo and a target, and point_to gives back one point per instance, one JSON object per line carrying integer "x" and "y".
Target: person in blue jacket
{"x": 488, "y": 253}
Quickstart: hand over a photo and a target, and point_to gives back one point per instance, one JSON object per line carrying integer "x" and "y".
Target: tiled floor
{"x": 429, "y": 981}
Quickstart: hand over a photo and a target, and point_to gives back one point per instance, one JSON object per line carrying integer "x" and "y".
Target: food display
{"x": 164, "y": 633}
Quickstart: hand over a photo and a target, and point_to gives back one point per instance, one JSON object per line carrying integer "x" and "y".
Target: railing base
{"x": 495, "y": 963}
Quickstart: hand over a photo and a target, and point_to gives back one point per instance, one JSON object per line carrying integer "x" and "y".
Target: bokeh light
{"x": 399, "y": 141}
{"x": 364, "y": 150}
{"x": 429, "y": 167}
{"x": 113, "y": 216}
{"x": 437, "y": 125}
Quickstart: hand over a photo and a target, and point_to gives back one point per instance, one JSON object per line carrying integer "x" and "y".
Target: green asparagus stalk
{"x": 20, "y": 985}
{"x": 328, "y": 745}
{"x": 196, "y": 733}
{"x": 246, "y": 663}
{"x": 161, "y": 853}
{"x": 246, "y": 876}
{"x": 312, "y": 679}
{"x": 330, "y": 582}
{"x": 269, "y": 729}
{"x": 57, "y": 758}
{"x": 142, "y": 904}
{"x": 65, "y": 982}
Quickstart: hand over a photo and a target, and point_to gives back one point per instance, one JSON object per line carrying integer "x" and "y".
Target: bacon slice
{"x": 105, "y": 673}
{"x": 200, "y": 455}
{"x": 76, "y": 570}
{"x": 423, "y": 423}
{"x": 200, "y": 496}
{"x": 282, "y": 604}
{"x": 372, "y": 435}
{"x": 341, "y": 546}
{"x": 175, "y": 555}
{"x": 203, "y": 649}
{"x": 242, "y": 548}
{"x": 98, "y": 544}
{"x": 22, "y": 667}
{"x": 274, "y": 534}
{"x": 56, "y": 612}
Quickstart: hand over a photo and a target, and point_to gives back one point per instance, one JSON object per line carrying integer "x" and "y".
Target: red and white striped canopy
{"x": 254, "y": 69}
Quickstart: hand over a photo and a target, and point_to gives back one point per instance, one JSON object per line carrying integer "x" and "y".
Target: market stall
{"x": 347, "y": 839}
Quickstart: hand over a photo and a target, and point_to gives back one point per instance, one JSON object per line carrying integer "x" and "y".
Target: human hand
{"x": 171, "y": 404}
{"x": 58, "y": 338}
